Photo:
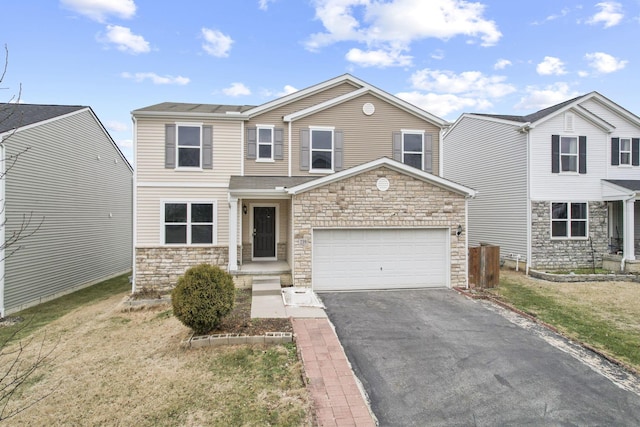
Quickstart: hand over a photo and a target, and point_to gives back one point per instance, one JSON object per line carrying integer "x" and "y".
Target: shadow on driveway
{"x": 434, "y": 357}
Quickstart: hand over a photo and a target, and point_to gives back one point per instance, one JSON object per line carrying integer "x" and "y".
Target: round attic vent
{"x": 383, "y": 184}
{"x": 368, "y": 109}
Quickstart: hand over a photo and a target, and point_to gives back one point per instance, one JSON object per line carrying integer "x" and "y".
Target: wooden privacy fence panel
{"x": 484, "y": 266}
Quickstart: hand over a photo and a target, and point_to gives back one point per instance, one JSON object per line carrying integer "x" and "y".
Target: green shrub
{"x": 202, "y": 297}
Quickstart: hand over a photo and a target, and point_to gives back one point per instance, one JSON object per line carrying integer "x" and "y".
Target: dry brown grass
{"x": 128, "y": 368}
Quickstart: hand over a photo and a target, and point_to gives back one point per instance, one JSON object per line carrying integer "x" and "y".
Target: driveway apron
{"x": 434, "y": 357}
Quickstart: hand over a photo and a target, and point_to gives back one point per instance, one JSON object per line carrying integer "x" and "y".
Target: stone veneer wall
{"x": 567, "y": 253}
{"x": 247, "y": 252}
{"x": 356, "y": 202}
{"x": 159, "y": 268}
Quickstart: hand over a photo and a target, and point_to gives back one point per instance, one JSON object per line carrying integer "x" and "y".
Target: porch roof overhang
{"x": 265, "y": 187}
{"x": 620, "y": 189}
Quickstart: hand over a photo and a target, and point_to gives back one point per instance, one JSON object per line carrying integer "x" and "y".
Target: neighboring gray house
{"x": 557, "y": 188}
{"x": 66, "y": 203}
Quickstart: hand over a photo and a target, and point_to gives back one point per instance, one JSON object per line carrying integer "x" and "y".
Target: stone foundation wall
{"x": 357, "y": 202}
{"x": 247, "y": 252}
{"x": 555, "y": 254}
{"x": 159, "y": 268}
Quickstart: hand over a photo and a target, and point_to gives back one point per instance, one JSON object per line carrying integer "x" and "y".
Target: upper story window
{"x": 321, "y": 149}
{"x": 625, "y": 151}
{"x": 569, "y": 220}
{"x": 189, "y": 143}
{"x": 568, "y": 154}
{"x": 412, "y": 149}
{"x": 189, "y": 223}
{"x": 265, "y": 143}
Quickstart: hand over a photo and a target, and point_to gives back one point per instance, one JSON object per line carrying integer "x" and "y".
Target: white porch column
{"x": 233, "y": 233}
{"x": 629, "y": 229}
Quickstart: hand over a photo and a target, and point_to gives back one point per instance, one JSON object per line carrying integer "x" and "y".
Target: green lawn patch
{"x": 577, "y": 322}
{"x": 42, "y": 314}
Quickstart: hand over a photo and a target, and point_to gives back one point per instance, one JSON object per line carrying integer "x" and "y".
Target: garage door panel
{"x": 350, "y": 259}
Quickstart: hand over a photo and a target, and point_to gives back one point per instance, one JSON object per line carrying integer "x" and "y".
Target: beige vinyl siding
{"x": 491, "y": 158}
{"x": 76, "y": 182}
{"x": 366, "y": 138}
{"x": 150, "y": 152}
{"x": 149, "y": 227}
{"x": 274, "y": 117}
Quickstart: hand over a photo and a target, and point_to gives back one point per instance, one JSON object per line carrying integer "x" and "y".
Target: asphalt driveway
{"x": 434, "y": 357}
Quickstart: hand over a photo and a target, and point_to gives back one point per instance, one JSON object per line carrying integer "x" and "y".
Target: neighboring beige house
{"x": 65, "y": 203}
{"x": 338, "y": 184}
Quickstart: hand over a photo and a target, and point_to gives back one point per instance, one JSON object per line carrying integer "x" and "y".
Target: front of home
{"x": 339, "y": 182}
{"x": 557, "y": 188}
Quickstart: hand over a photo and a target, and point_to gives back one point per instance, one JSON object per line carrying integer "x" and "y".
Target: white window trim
{"x": 311, "y": 150}
{"x": 577, "y": 156}
{"x": 568, "y": 221}
{"x": 193, "y": 125}
{"x": 629, "y": 152}
{"x": 272, "y": 144}
{"x": 414, "y": 132}
{"x": 189, "y": 202}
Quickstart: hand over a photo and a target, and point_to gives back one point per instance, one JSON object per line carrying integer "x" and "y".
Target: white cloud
{"x": 99, "y": 10}
{"x": 438, "y": 54}
{"x": 378, "y": 58}
{"x": 392, "y": 26}
{"x": 551, "y": 66}
{"x": 604, "y": 63}
{"x": 564, "y": 12}
{"x": 502, "y": 64}
{"x": 157, "y": 79}
{"x": 125, "y": 40}
{"x": 264, "y": 4}
{"x": 125, "y": 143}
{"x": 444, "y": 104}
{"x": 115, "y": 126}
{"x": 236, "y": 89}
{"x": 216, "y": 43}
{"x": 537, "y": 98}
{"x": 288, "y": 89}
{"x": 610, "y": 14}
{"x": 469, "y": 83}
{"x": 583, "y": 73}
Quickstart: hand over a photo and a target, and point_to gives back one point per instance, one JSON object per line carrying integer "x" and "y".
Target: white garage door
{"x": 349, "y": 259}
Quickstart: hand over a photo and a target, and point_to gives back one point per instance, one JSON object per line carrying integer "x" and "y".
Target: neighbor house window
{"x": 569, "y": 220}
{"x": 189, "y": 223}
{"x": 625, "y": 151}
{"x": 412, "y": 149}
{"x": 265, "y": 143}
{"x": 569, "y": 154}
{"x": 321, "y": 149}
{"x": 189, "y": 144}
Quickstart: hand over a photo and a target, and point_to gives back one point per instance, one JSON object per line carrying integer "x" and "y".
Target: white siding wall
{"x": 491, "y": 158}
{"x": 75, "y": 181}
{"x": 549, "y": 186}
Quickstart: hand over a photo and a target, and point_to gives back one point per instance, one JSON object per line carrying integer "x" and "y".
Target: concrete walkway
{"x": 338, "y": 401}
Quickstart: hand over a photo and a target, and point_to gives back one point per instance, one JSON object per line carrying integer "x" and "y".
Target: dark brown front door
{"x": 264, "y": 232}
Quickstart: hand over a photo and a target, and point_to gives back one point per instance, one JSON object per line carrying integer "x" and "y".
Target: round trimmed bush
{"x": 202, "y": 297}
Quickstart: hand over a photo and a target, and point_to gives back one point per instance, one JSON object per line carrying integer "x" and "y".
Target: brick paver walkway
{"x": 337, "y": 398}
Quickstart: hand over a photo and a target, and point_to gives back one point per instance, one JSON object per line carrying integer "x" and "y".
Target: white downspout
{"x": 466, "y": 241}
{"x": 528, "y": 173}
{"x": 289, "y": 154}
{"x": 242, "y": 148}
{"x": 134, "y": 240}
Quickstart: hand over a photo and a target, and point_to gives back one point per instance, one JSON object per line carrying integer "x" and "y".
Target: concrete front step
{"x": 266, "y": 286}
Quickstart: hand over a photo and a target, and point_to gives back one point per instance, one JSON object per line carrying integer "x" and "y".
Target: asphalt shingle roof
{"x": 533, "y": 117}
{"x": 181, "y": 107}
{"x": 629, "y": 184}
{"x": 266, "y": 182}
{"x": 13, "y": 116}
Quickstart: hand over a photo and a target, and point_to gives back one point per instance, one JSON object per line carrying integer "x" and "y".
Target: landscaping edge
{"x": 551, "y": 277}
{"x": 198, "y": 341}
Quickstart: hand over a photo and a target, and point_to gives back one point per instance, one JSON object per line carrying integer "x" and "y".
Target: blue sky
{"x": 446, "y": 56}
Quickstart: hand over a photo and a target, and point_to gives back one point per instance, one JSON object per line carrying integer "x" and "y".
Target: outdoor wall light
{"x": 459, "y": 230}
{"x": 244, "y": 209}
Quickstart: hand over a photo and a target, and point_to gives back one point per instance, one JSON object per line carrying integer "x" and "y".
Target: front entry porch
{"x": 247, "y": 272}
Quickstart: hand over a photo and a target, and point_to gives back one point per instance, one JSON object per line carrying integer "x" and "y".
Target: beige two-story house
{"x": 338, "y": 183}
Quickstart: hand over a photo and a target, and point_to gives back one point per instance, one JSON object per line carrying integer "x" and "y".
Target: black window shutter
{"x": 555, "y": 153}
{"x": 278, "y": 141}
{"x": 304, "y": 149}
{"x": 338, "y": 144}
{"x": 252, "y": 144}
{"x": 207, "y": 147}
{"x": 582, "y": 154}
{"x": 170, "y": 146}
{"x": 615, "y": 151}
{"x": 635, "y": 151}
{"x": 397, "y": 146}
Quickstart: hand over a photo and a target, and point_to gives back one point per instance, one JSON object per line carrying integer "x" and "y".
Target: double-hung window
{"x": 568, "y": 154}
{"x": 265, "y": 143}
{"x": 625, "y": 151}
{"x": 321, "y": 149}
{"x": 189, "y": 145}
{"x": 569, "y": 220}
{"x": 189, "y": 223}
{"x": 413, "y": 149}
